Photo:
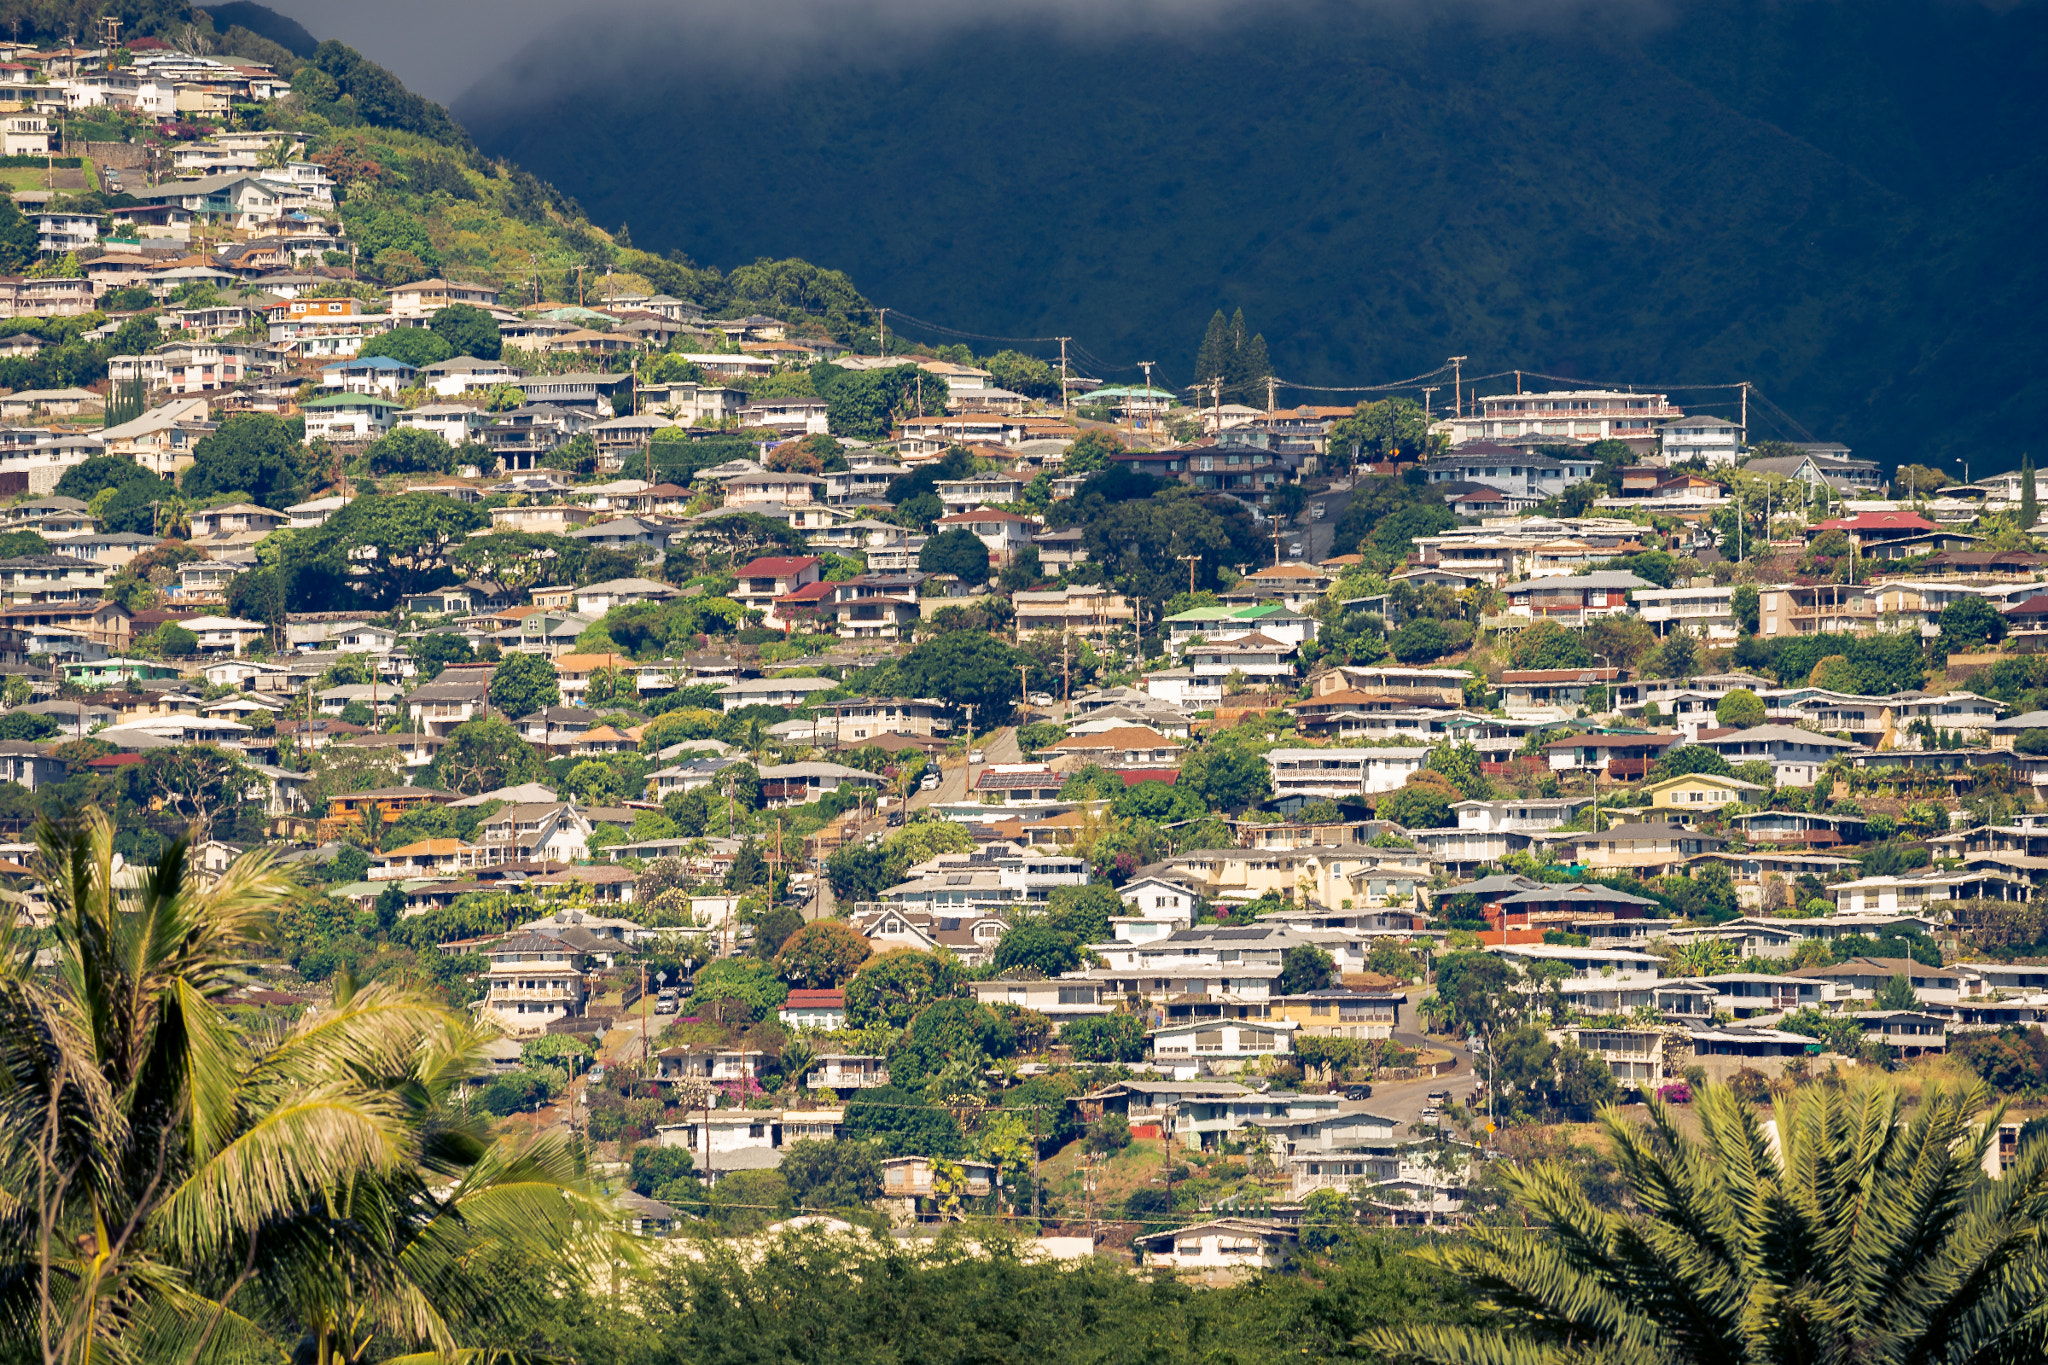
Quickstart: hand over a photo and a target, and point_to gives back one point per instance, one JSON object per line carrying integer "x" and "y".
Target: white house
{"x": 1211, "y": 1046}
{"x": 452, "y": 422}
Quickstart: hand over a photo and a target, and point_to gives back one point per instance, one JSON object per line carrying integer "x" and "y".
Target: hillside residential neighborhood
{"x": 842, "y": 778}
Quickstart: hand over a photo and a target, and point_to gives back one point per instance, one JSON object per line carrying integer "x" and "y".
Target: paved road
{"x": 1318, "y": 537}
{"x": 999, "y": 746}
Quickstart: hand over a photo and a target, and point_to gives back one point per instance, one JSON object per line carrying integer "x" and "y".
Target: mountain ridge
{"x": 1644, "y": 203}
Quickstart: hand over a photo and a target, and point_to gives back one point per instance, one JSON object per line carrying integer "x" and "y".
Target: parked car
{"x": 1041, "y": 699}
{"x": 1357, "y": 1092}
{"x": 1294, "y": 548}
{"x": 974, "y": 756}
{"x": 1316, "y": 510}
{"x": 930, "y": 781}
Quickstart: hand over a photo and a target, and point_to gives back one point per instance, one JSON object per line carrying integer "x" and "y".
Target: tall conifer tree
{"x": 2030, "y": 503}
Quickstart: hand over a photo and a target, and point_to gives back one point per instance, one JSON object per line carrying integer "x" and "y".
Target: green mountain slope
{"x": 1830, "y": 199}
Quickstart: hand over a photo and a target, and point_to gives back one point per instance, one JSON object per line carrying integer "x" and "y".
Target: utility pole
{"x": 1216, "y": 404}
{"x": 882, "y": 314}
{"x": 1745, "y": 415}
{"x": 646, "y": 1024}
{"x": 1063, "y": 374}
{"x": 1023, "y": 685}
{"x": 1458, "y": 385}
{"x": 1037, "y": 1112}
{"x": 1146, "y": 366}
{"x": 1427, "y": 413}
{"x": 1190, "y": 561}
{"x": 1276, "y": 542}
{"x": 1269, "y": 395}
{"x": 1066, "y": 666}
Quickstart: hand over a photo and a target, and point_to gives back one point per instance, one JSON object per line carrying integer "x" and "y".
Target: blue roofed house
{"x": 367, "y": 374}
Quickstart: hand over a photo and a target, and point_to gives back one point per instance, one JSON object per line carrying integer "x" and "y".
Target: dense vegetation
{"x": 1807, "y": 192}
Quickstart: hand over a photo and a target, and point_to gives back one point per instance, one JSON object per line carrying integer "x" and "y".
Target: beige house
{"x": 863, "y": 718}
{"x": 534, "y": 980}
{"x": 428, "y": 297}
{"x": 556, "y": 519}
{"x": 1090, "y": 611}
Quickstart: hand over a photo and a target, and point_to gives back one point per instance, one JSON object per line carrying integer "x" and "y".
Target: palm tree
{"x": 1704, "y": 957}
{"x": 1860, "y": 1230}
{"x": 168, "y": 1180}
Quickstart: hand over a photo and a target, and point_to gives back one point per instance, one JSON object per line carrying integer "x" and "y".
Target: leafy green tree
{"x": 410, "y": 450}
{"x": 1091, "y": 451}
{"x": 1226, "y": 776}
{"x": 1419, "y": 641}
{"x": 949, "y": 1031}
{"x": 484, "y": 755}
{"x": 822, "y": 955}
{"x": 655, "y": 1168}
{"x": 2030, "y": 499}
{"x": 1767, "y": 1249}
{"x": 97, "y": 473}
{"x": 1305, "y": 967}
{"x": 1419, "y": 806}
{"x": 957, "y": 551}
{"x": 1464, "y": 766}
{"x": 892, "y": 987}
{"x": 1549, "y": 645}
{"x": 19, "y": 243}
{"x": 1692, "y": 758}
{"x": 831, "y": 1175}
{"x": 1971, "y": 621}
{"x": 414, "y": 346}
{"x": 963, "y": 667}
{"x": 252, "y": 453}
{"x": 414, "y": 537}
{"x": 897, "y": 1122}
{"x": 595, "y": 783}
{"x": 467, "y": 330}
{"x": 1389, "y": 429}
{"x": 1039, "y": 947}
{"x": 31, "y": 726}
{"x": 867, "y": 403}
{"x": 747, "y": 980}
{"x": 1025, "y": 374}
{"x": 1741, "y": 709}
{"x": 1084, "y": 911}
{"x": 1747, "y": 607}
{"x": 1475, "y": 993}
{"x": 1105, "y": 1038}
{"x": 1138, "y": 542}
{"x": 523, "y": 684}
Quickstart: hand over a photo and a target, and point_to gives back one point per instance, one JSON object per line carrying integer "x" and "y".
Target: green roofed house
{"x": 1274, "y": 620}
{"x": 107, "y": 672}
{"x": 350, "y": 417}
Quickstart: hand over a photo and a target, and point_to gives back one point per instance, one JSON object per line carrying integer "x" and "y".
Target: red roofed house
{"x": 801, "y": 607}
{"x": 815, "y": 1009}
{"x": 1005, "y": 533}
{"x": 2031, "y": 614}
{"x": 764, "y": 580}
{"x": 1872, "y": 533}
{"x": 1482, "y": 502}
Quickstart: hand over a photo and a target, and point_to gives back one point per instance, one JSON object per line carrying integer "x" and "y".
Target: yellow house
{"x": 1341, "y": 1014}
{"x": 1695, "y": 791}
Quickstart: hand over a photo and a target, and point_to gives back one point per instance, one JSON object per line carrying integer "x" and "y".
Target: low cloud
{"x": 457, "y": 51}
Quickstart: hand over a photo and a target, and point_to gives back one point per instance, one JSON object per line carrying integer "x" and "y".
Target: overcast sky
{"x": 440, "y": 48}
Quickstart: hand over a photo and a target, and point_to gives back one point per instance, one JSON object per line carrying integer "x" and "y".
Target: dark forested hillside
{"x": 1835, "y": 200}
